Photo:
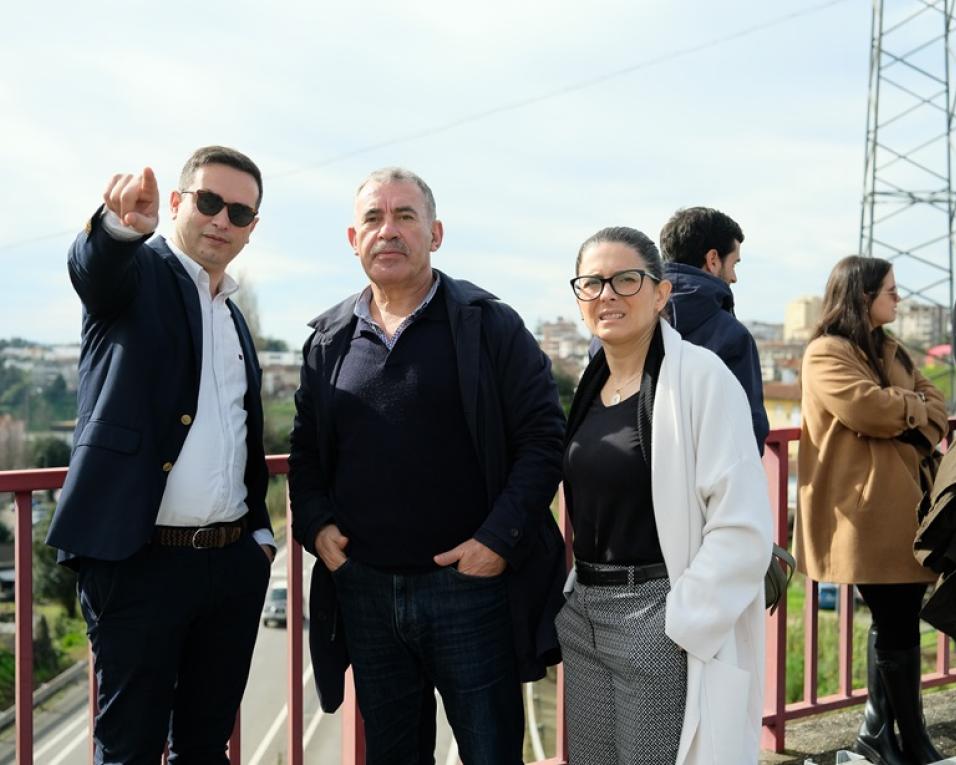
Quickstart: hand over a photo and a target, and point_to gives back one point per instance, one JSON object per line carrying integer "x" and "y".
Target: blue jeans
{"x": 410, "y": 634}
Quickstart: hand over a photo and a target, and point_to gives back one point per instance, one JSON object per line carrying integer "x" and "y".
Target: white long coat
{"x": 713, "y": 516}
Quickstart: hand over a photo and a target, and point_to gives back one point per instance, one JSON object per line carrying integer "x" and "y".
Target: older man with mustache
{"x": 425, "y": 453}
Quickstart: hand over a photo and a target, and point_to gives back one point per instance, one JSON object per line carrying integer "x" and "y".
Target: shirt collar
{"x": 363, "y": 305}
{"x": 198, "y": 274}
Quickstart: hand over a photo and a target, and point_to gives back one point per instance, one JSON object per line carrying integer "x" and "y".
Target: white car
{"x": 274, "y": 610}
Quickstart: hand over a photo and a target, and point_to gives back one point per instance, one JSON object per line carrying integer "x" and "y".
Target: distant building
{"x": 44, "y": 363}
{"x": 782, "y": 402}
{"x": 921, "y": 325}
{"x": 765, "y": 331}
{"x": 564, "y": 345}
{"x": 780, "y": 361}
{"x": 801, "y": 318}
{"x": 12, "y": 442}
{"x": 280, "y": 372}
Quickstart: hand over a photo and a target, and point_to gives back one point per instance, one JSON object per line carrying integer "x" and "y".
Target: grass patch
{"x": 58, "y": 644}
{"x": 828, "y": 645}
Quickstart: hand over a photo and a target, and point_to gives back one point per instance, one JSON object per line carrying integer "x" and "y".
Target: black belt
{"x": 594, "y": 576}
{"x": 200, "y": 537}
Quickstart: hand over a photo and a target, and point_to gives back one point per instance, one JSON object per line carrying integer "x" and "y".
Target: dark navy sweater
{"x": 407, "y": 482}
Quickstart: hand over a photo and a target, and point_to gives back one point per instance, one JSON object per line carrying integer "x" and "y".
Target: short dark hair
{"x": 219, "y": 155}
{"x": 401, "y": 175}
{"x": 638, "y": 241}
{"x": 692, "y": 232}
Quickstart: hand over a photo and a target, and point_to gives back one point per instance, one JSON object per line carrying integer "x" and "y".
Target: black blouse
{"x": 607, "y": 470}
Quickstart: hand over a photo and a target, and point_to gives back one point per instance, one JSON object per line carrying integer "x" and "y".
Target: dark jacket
{"x": 510, "y": 403}
{"x": 935, "y": 544}
{"x": 702, "y": 310}
{"x": 140, "y": 362}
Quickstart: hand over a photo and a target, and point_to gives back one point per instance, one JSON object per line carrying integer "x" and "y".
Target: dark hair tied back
{"x": 636, "y": 240}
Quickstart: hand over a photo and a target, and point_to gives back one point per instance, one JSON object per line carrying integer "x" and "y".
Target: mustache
{"x": 393, "y": 245}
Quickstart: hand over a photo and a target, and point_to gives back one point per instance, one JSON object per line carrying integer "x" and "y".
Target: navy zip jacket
{"x": 515, "y": 421}
{"x": 702, "y": 310}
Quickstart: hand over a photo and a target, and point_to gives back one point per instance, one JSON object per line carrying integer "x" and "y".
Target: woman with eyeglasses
{"x": 869, "y": 418}
{"x": 663, "y": 629}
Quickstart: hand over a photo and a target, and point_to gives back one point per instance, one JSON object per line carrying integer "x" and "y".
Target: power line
{"x": 523, "y": 103}
{"x": 35, "y": 239}
{"x": 564, "y": 90}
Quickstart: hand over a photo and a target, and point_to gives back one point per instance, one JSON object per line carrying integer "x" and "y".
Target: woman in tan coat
{"x": 869, "y": 417}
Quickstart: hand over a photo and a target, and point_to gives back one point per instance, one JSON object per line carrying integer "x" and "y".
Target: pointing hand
{"x": 135, "y": 199}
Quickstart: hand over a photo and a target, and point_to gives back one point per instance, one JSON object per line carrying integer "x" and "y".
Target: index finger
{"x": 148, "y": 185}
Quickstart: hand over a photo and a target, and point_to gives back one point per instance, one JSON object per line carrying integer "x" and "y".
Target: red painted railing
{"x": 777, "y": 711}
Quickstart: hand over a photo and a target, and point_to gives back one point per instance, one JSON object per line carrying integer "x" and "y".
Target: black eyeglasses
{"x": 624, "y": 283}
{"x": 210, "y": 203}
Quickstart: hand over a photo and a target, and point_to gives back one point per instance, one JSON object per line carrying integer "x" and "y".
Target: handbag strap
{"x": 783, "y": 554}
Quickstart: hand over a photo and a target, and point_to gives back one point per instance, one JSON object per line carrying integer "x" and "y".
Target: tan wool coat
{"x": 859, "y": 485}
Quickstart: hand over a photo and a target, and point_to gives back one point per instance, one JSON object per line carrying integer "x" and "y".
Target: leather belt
{"x": 214, "y": 535}
{"x": 595, "y": 576}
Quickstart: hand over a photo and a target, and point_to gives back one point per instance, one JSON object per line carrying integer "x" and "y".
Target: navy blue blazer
{"x": 140, "y": 363}
{"x": 515, "y": 420}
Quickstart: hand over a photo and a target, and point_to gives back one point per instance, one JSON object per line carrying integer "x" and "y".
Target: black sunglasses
{"x": 210, "y": 203}
{"x": 624, "y": 283}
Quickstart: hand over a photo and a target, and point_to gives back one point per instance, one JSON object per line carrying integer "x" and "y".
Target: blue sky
{"x": 767, "y": 125}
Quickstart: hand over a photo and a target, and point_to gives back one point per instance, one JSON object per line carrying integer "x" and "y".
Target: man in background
{"x": 701, "y": 247}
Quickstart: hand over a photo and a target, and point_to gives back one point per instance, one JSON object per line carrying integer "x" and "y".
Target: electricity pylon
{"x": 908, "y": 206}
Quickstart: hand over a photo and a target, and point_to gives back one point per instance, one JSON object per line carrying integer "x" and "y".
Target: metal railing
{"x": 777, "y": 711}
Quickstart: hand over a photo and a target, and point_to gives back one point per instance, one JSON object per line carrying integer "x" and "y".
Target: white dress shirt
{"x": 207, "y": 482}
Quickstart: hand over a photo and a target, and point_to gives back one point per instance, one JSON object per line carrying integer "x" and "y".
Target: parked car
{"x": 829, "y": 596}
{"x": 274, "y": 610}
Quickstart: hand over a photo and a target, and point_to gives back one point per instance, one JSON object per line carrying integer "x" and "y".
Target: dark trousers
{"x": 895, "y": 609}
{"x": 172, "y": 631}
{"x": 410, "y": 634}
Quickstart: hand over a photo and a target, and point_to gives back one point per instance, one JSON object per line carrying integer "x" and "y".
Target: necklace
{"x": 616, "y": 398}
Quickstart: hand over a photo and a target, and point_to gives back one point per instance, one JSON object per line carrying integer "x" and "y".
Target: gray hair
{"x": 401, "y": 175}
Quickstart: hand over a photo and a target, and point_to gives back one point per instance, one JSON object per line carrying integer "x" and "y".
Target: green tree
{"x": 273, "y": 344}
{"x": 278, "y": 414}
{"x": 61, "y": 401}
{"x": 52, "y": 582}
{"x": 566, "y": 385}
{"x": 50, "y": 452}
{"x": 14, "y": 390}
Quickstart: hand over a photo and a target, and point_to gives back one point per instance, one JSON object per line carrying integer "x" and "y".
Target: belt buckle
{"x": 194, "y": 543}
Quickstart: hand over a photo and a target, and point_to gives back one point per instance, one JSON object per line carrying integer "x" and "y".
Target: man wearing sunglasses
{"x": 162, "y": 514}
{"x": 702, "y": 249}
{"x": 426, "y": 451}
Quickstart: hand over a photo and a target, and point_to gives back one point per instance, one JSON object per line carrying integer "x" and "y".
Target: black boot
{"x": 876, "y": 740}
{"x": 900, "y": 670}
